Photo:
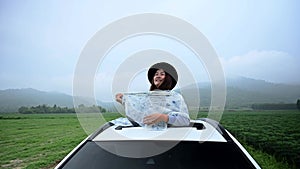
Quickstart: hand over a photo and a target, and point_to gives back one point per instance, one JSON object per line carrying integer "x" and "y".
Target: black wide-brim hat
{"x": 169, "y": 69}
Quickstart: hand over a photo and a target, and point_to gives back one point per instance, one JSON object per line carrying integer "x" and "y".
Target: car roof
{"x": 208, "y": 131}
{"x": 200, "y": 130}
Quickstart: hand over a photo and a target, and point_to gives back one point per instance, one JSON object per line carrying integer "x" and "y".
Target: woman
{"x": 163, "y": 76}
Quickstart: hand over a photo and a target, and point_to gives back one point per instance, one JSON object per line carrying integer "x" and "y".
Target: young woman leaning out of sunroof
{"x": 163, "y": 76}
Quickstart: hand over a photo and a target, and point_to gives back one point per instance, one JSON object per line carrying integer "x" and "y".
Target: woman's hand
{"x": 155, "y": 118}
{"x": 119, "y": 97}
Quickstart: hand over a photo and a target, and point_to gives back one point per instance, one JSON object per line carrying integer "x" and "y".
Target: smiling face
{"x": 159, "y": 77}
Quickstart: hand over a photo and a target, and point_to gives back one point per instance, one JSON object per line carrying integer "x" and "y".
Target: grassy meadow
{"x": 42, "y": 140}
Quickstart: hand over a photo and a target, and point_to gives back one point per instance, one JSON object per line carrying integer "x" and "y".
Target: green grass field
{"x": 274, "y": 132}
{"x": 42, "y": 140}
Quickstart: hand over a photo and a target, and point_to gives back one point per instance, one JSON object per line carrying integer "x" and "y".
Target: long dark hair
{"x": 166, "y": 85}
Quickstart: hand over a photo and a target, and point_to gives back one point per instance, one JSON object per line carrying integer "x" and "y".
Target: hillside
{"x": 241, "y": 92}
{"x": 12, "y": 99}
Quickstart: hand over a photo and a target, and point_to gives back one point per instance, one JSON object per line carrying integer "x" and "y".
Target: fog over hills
{"x": 241, "y": 92}
{"x": 12, "y": 99}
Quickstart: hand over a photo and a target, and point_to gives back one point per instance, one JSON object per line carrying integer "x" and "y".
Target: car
{"x": 203, "y": 144}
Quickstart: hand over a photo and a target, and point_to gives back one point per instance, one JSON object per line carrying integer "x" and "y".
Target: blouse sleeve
{"x": 177, "y": 110}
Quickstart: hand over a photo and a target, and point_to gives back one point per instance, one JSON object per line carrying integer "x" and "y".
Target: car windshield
{"x": 184, "y": 155}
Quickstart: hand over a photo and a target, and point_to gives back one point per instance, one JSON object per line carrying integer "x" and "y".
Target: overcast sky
{"x": 41, "y": 41}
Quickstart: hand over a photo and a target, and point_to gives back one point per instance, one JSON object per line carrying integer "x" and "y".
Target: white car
{"x": 204, "y": 144}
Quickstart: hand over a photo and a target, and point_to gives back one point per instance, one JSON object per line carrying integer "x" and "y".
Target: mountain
{"x": 241, "y": 92}
{"x": 12, "y": 99}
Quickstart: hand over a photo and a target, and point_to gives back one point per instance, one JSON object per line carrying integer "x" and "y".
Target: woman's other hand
{"x": 119, "y": 97}
{"x": 155, "y": 118}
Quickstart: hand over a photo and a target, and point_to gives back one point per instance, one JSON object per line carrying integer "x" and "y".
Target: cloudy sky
{"x": 41, "y": 41}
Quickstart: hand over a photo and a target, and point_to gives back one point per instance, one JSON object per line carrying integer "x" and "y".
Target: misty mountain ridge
{"x": 12, "y": 99}
{"x": 241, "y": 92}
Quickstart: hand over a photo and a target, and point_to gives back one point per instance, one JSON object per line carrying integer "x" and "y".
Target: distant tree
{"x": 298, "y": 104}
{"x": 24, "y": 110}
{"x": 274, "y": 106}
{"x": 81, "y": 106}
{"x": 102, "y": 110}
{"x": 42, "y": 109}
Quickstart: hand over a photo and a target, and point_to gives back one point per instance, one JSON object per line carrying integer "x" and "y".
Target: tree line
{"x": 276, "y": 106}
{"x": 45, "y": 109}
